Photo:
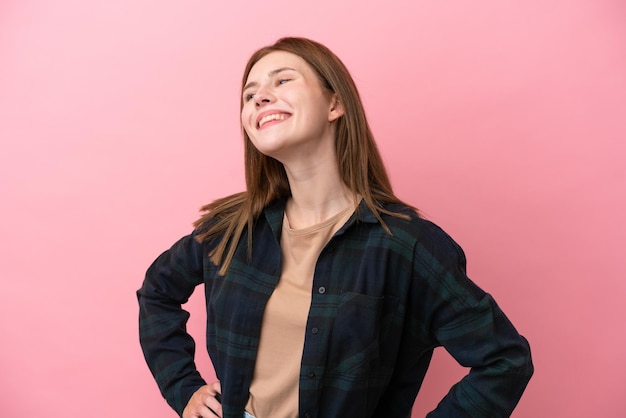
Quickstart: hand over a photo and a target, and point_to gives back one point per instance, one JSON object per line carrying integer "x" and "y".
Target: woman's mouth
{"x": 271, "y": 118}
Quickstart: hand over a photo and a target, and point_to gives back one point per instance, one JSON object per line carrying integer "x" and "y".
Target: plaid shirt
{"x": 380, "y": 304}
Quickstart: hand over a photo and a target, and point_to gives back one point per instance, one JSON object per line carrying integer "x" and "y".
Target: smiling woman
{"x": 325, "y": 294}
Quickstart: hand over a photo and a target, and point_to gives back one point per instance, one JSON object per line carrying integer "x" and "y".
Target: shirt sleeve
{"x": 468, "y": 323}
{"x": 167, "y": 347}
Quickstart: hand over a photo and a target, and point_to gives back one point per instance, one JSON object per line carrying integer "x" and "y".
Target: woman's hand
{"x": 203, "y": 403}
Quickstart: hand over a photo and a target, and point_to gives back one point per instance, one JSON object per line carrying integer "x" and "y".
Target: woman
{"x": 325, "y": 294}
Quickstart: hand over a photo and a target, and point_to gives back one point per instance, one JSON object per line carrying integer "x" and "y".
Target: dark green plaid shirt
{"x": 380, "y": 304}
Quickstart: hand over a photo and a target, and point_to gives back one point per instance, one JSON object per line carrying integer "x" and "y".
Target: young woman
{"x": 325, "y": 294}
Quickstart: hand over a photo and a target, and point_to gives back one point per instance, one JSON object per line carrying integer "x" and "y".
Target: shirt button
{"x": 307, "y": 415}
{"x": 315, "y": 330}
{"x": 322, "y": 290}
{"x": 311, "y": 375}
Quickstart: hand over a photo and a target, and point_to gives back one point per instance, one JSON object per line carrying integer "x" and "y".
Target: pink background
{"x": 505, "y": 122}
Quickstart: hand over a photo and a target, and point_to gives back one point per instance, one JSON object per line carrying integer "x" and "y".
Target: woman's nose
{"x": 263, "y": 96}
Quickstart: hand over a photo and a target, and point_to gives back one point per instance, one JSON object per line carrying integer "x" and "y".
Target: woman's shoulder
{"x": 413, "y": 227}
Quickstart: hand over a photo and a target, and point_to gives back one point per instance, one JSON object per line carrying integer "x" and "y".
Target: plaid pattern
{"x": 380, "y": 304}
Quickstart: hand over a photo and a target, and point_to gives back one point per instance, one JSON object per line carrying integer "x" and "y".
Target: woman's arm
{"x": 167, "y": 347}
{"x": 474, "y": 330}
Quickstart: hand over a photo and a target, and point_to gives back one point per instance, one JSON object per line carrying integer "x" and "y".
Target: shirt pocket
{"x": 357, "y": 334}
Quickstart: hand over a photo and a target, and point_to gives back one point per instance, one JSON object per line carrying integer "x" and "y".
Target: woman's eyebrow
{"x": 270, "y": 74}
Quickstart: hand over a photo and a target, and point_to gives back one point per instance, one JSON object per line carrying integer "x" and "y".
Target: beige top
{"x": 274, "y": 386}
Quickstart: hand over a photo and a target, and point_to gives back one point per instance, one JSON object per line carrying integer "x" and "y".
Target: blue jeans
{"x": 247, "y": 415}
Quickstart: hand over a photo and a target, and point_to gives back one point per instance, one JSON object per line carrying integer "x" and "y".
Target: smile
{"x": 271, "y": 117}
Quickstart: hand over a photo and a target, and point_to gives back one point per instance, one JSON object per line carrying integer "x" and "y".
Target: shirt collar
{"x": 275, "y": 212}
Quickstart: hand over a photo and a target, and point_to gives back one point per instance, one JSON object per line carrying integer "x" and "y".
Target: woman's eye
{"x": 283, "y": 80}
{"x": 249, "y": 97}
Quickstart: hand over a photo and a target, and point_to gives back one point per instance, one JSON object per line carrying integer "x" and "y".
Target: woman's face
{"x": 286, "y": 112}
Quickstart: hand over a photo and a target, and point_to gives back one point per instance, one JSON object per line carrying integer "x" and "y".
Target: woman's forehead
{"x": 274, "y": 61}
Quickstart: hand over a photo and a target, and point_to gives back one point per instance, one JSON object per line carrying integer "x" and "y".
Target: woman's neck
{"x": 317, "y": 193}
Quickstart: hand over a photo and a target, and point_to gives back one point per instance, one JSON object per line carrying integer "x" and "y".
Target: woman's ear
{"x": 336, "y": 109}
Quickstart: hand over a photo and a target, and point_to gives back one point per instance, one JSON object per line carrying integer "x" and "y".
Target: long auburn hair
{"x": 360, "y": 164}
